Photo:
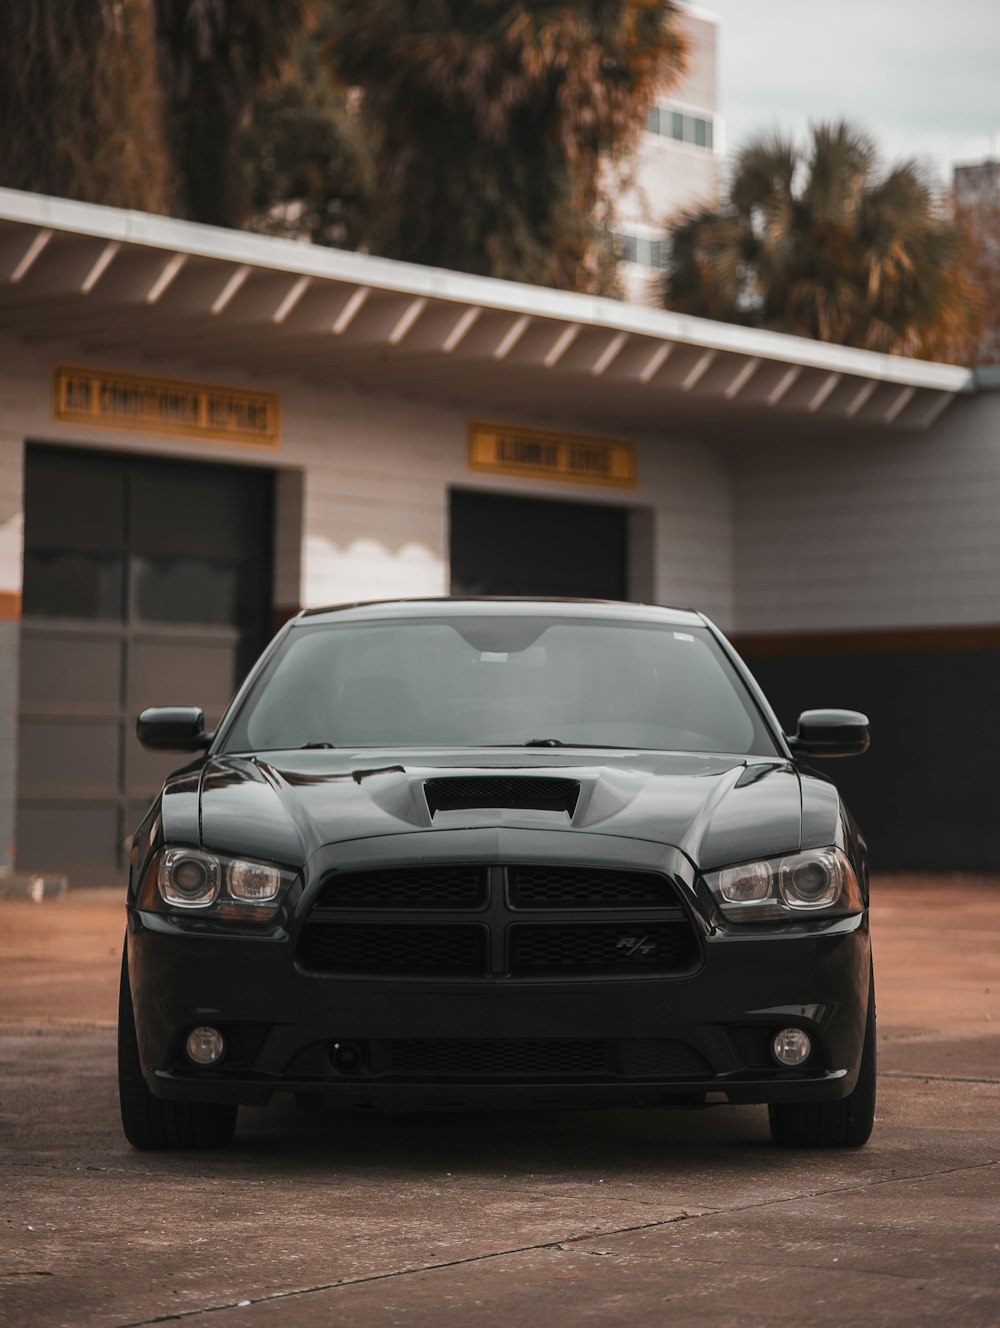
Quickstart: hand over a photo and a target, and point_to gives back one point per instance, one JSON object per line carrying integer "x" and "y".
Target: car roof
{"x": 502, "y": 606}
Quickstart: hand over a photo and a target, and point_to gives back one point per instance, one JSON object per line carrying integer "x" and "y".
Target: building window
{"x": 642, "y": 250}
{"x": 678, "y": 125}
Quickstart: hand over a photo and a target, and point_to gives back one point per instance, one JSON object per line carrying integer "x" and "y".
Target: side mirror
{"x": 172, "y": 729}
{"x": 831, "y": 733}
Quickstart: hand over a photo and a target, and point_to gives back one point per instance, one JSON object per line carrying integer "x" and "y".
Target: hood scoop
{"x": 461, "y": 793}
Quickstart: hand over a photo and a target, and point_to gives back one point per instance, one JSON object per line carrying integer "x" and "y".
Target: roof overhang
{"x": 119, "y": 285}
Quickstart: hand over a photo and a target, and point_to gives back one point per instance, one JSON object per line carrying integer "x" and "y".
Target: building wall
{"x": 871, "y": 533}
{"x": 868, "y": 577}
{"x": 668, "y": 176}
{"x": 363, "y": 488}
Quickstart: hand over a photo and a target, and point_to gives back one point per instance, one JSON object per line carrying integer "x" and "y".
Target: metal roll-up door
{"x": 533, "y": 546}
{"x": 146, "y": 582}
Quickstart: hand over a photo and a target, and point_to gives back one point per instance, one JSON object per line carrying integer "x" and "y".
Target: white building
{"x": 677, "y": 163}
{"x": 203, "y": 430}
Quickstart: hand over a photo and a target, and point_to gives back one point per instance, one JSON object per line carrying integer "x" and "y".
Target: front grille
{"x": 472, "y": 920}
{"x": 342, "y": 947}
{"x": 753, "y": 1043}
{"x": 547, "y": 1058}
{"x": 465, "y": 792}
{"x": 542, "y": 1058}
{"x": 461, "y": 1059}
{"x": 585, "y": 887}
{"x": 407, "y": 888}
{"x": 661, "y": 1058}
{"x": 599, "y": 949}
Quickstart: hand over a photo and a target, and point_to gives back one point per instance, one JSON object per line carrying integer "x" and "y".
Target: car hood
{"x": 283, "y": 806}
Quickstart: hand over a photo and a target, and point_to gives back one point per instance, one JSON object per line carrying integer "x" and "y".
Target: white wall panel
{"x": 891, "y": 531}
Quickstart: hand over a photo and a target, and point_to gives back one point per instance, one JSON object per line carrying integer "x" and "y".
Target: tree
{"x": 977, "y": 215}
{"x": 824, "y": 244}
{"x": 308, "y": 156}
{"x": 215, "y": 56}
{"x": 490, "y": 122}
{"x": 80, "y": 103}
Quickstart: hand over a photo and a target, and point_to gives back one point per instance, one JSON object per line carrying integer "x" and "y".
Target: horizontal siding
{"x": 871, "y": 533}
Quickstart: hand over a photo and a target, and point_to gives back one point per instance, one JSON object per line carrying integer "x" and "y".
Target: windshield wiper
{"x": 545, "y": 742}
{"x": 306, "y": 746}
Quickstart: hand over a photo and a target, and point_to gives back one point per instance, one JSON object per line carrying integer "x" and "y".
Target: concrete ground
{"x": 588, "y": 1218}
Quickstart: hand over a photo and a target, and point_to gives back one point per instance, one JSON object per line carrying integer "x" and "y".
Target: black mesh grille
{"x": 582, "y": 887}
{"x": 753, "y": 1044}
{"x": 460, "y": 794}
{"x": 547, "y": 1058}
{"x": 659, "y": 1058}
{"x": 615, "y": 948}
{"x": 243, "y": 1042}
{"x": 383, "y": 922}
{"x": 365, "y": 948}
{"x": 411, "y": 887}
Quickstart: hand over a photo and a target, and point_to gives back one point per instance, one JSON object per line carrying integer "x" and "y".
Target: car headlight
{"x": 818, "y": 882}
{"x": 196, "y": 882}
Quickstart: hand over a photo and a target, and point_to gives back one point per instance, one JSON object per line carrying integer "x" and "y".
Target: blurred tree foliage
{"x": 496, "y": 126}
{"x": 81, "y": 113}
{"x": 214, "y": 57}
{"x": 978, "y": 218}
{"x": 483, "y": 135}
{"x": 308, "y": 155}
{"x": 824, "y": 244}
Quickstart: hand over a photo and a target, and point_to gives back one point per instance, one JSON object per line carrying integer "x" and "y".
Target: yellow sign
{"x": 166, "y": 405}
{"x": 546, "y": 455}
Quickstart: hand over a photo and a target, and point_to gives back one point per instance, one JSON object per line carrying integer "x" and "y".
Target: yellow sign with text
{"x": 166, "y": 405}
{"x": 548, "y": 455}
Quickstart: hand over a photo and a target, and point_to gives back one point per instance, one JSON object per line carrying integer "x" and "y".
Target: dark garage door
{"x": 145, "y": 582}
{"x": 532, "y": 546}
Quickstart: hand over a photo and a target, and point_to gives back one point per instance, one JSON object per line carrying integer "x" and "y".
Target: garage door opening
{"x": 146, "y": 582}
{"x": 533, "y": 546}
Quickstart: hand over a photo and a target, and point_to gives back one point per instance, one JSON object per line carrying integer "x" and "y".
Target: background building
{"x": 677, "y": 163}
{"x": 977, "y": 183}
{"x": 204, "y": 429}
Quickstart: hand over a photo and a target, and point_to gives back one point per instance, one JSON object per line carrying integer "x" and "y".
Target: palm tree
{"x": 824, "y": 244}
{"x": 492, "y": 120}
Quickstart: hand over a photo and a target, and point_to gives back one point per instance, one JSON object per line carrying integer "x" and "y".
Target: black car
{"x": 498, "y": 853}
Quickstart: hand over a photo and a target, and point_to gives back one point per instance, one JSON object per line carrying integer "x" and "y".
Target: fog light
{"x": 205, "y": 1045}
{"x": 791, "y": 1046}
{"x": 347, "y": 1057}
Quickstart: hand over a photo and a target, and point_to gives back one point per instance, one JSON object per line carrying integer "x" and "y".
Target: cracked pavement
{"x": 598, "y": 1218}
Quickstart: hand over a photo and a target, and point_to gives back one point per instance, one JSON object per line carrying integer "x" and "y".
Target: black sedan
{"x": 498, "y": 854}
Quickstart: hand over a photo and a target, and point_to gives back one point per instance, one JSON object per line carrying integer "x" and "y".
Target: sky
{"x": 921, "y": 75}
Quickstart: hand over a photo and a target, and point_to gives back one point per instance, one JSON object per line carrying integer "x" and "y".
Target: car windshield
{"x": 499, "y": 681}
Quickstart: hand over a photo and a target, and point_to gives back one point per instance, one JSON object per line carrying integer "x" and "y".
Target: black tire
{"x": 150, "y": 1122}
{"x": 844, "y": 1124}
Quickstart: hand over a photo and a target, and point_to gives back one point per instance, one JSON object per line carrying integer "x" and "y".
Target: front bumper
{"x": 696, "y": 1036}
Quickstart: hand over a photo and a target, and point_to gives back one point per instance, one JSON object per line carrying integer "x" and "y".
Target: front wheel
{"x": 843, "y": 1124}
{"x": 150, "y": 1122}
